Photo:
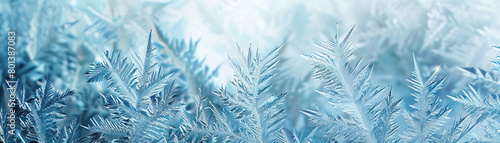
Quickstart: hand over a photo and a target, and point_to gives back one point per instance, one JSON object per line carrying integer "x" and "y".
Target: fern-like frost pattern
{"x": 155, "y": 71}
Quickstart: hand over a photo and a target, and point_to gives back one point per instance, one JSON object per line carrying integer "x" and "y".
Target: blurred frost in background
{"x": 58, "y": 40}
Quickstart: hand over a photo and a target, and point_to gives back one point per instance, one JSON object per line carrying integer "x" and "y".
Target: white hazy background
{"x": 449, "y": 33}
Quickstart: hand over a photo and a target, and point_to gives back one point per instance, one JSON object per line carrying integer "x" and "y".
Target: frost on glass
{"x": 170, "y": 71}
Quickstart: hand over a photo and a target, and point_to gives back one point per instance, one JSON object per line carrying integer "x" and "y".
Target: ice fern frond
{"x": 287, "y": 136}
{"x": 481, "y": 101}
{"x": 259, "y": 113}
{"x": 332, "y": 125}
{"x": 70, "y": 133}
{"x": 428, "y": 116}
{"x": 486, "y": 81}
{"x": 478, "y": 103}
{"x": 348, "y": 87}
{"x": 119, "y": 72}
{"x": 111, "y": 129}
{"x": 209, "y": 123}
{"x": 144, "y": 105}
{"x": 386, "y": 126}
{"x": 4, "y": 133}
{"x": 461, "y": 130}
{"x": 44, "y": 112}
{"x": 480, "y": 107}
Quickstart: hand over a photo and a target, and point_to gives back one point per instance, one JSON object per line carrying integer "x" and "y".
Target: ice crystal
{"x": 143, "y": 104}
